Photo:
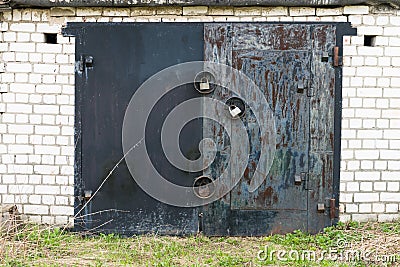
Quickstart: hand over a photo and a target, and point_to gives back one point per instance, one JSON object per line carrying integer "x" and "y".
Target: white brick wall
{"x": 36, "y": 109}
{"x": 370, "y": 173}
{"x": 37, "y": 98}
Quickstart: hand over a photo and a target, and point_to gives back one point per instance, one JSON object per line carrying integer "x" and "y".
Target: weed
{"x": 34, "y": 245}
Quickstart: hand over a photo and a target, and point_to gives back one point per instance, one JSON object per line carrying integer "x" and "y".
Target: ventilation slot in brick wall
{"x": 369, "y": 40}
{"x": 50, "y": 38}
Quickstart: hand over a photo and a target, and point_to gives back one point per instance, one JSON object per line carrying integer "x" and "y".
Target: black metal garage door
{"x": 284, "y": 81}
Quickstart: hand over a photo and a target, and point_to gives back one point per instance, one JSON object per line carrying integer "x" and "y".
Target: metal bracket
{"x": 299, "y": 178}
{"x": 302, "y": 85}
{"x": 329, "y": 208}
{"x": 85, "y": 62}
{"x": 87, "y": 195}
{"x": 325, "y": 57}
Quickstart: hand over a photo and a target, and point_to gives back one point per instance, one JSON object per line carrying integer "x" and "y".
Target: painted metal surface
{"x": 124, "y": 56}
{"x": 292, "y": 64}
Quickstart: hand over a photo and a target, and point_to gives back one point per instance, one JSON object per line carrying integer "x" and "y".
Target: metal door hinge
{"x": 329, "y": 208}
{"x": 337, "y": 60}
{"x": 85, "y": 62}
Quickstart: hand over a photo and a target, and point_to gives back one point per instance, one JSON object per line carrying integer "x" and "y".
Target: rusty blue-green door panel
{"x": 294, "y": 66}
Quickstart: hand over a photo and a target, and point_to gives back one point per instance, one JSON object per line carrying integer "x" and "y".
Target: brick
{"x": 3, "y": 26}
{"x": 47, "y": 150}
{"x": 48, "y": 199}
{"x": 247, "y": 11}
{"x": 89, "y": 12}
{"x": 368, "y": 20}
{"x": 46, "y": 109}
{"x": 46, "y": 130}
{"x": 45, "y": 68}
{"x": 395, "y": 144}
{"x": 368, "y": 134}
{"x": 378, "y": 207}
{"x": 365, "y": 208}
{"x": 329, "y": 11}
{"x": 380, "y": 186}
{"x": 22, "y": 27}
{"x": 23, "y": 37}
{"x": 391, "y": 72}
{"x": 368, "y": 113}
{"x": 392, "y": 51}
{"x": 61, "y": 220}
{"x": 346, "y": 198}
{"x": 194, "y": 10}
{"x": 371, "y": 82}
{"x": 48, "y": 89}
{"x": 394, "y": 186}
{"x": 351, "y": 208}
{"x": 20, "y": 129}
{"x": 18, "y": 68}
{"x": 67, "y": 190}
{"x": 391, "y": 134}
{"x": 364, "y": 217}
{"x": 143, "y": 11}
{"x": 382, "y": 20}
{"x": 356, "y": 10}
{"x": 9, "y": 37}
{"x": 381, "y": 41}
{"x": 20, "y": 189}
{"x": 22, "y": 88}
{"x": 365, "y": 186}
{"x": 20, "y": 149}
{"x": 301, "y": 11}
{"x": 169, "y": 10}
{"x": 36, "y": 15}
{"x": 116, "y": 12}
{"x": 392, "y": 207}
{"x": 35, "y": 58}
{"x": 47, "y": 28}
{"x": 62, "y": 11}
{"x": 35, "y": 209}
{"x": 390, "y": 154}
{"x": 48, "y": 48}
{"x": 220, "y": 11}
{"x": 391, "y": 31}
{"x": 388, "y": 217}
{"x": 46, "y": 169}
{"x": 370, "y": 51}
{"x": 389, "y": 197}
{"x": 345, "y": 218}
{"x": 366, "y": 197}
{"x": 394, "y": 176}
{"x": 395, "y": 20}
{"x": 352, "y": 186}
{"x": 274, "y": 11}
{"x": 391, "y": 92}
{"x": 369, "y": 92}
{"x": 367, "y": 176}
{"x": 67, "y": 110}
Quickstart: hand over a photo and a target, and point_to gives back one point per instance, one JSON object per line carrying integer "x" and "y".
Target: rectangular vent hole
{"x": 50, "y": 38}
{"x": 369, "y": 40}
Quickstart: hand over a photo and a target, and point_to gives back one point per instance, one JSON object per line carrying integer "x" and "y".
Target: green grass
{"x": 35, "y": 246}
